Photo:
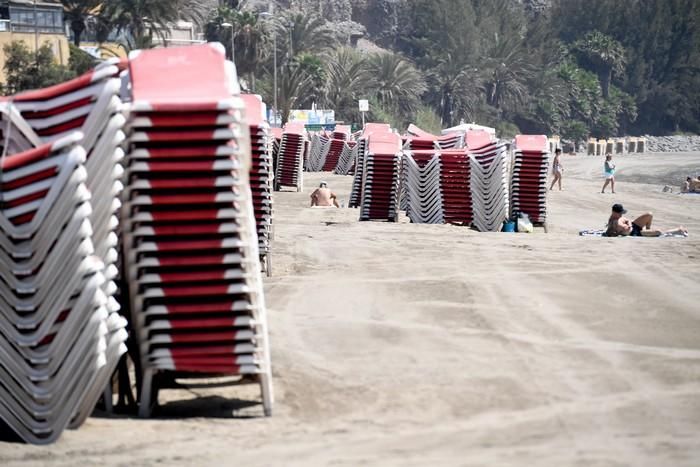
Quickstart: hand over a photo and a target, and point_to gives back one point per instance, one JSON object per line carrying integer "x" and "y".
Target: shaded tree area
{"x": 580, "y": 68}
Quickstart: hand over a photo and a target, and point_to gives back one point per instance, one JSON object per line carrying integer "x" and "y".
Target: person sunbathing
{"x": 323, "y": 197}
{"x": 620, "y": 226}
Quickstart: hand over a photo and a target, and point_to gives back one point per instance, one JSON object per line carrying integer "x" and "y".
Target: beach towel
{"x": 601, "y": 233}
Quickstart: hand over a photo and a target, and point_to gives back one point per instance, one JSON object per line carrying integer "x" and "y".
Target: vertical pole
{"x": 363, "y": 120}
{"x": 36, "y": 31}
{"x": 233, "y": 56}
{"x": 274, "y": 84}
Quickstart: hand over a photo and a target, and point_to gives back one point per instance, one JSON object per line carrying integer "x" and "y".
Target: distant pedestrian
{"x": 557, "y": 169}
{"x": 609, "y": 168}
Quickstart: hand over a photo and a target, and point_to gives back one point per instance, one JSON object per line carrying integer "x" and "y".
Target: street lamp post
{"x": 270, "y": 14}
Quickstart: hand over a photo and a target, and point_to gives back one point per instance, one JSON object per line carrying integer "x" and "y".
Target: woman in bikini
{"x": 557, "y": 169}
{"x": 609, "y": 168}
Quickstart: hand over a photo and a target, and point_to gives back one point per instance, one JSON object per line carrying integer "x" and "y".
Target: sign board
{"x": 364, "y": 105}
{"x": 314, "y": 117}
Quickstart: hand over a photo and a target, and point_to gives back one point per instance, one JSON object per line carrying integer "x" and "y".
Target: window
{"x": 49, "y": 20}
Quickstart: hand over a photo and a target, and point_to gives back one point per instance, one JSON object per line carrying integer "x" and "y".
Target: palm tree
{"x": 397, "y": 83}
{"x": 303, "y": 32}
{"x": 506, "y": 68}
{"x": 455, "y": 89}
{"x": 604, "y": 55}
{"x": 249, "y": 38}
{"x": 142, "y": 19}
{"x": 76, "y": 13}
{"x": 294, "y": 83}
{"x": 346, "y": 81}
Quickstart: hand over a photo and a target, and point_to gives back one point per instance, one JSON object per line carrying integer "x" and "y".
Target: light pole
{"x": 270, "y": 14}
{"x": 229, "y": 25}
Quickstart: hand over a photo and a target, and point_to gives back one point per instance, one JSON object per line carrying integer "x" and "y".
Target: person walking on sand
{"x": 620, "y": 226}
{"x": 609, "y": 168}
{"x": 323, "y": 197}
{"x": 557, "y": 169}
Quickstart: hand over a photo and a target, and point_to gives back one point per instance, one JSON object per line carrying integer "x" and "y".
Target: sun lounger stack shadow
{"x": 261, "y": 175}
{"x": 489, "y": 181}
{"x": 529, "y": 177}
{"x": 319, "y": 144}
{"x": 290, "y": 159}
{"x": 381, "y": 178}
{"x": 60, "y": 335}
{"x": 190, "y": 245}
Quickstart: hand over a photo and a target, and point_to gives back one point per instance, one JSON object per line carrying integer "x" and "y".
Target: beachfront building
{"x": 35, "y": 23}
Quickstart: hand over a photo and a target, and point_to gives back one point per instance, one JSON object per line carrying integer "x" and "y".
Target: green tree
{"x": 603, "y": 55}
{"x": 249, "y": 38}
{"x": 76, "y": 13}
{"x": 300, "y": 32}
{"x": 506, "y": 69}
{"x": 80, "y": 61}
{"x": 346, "y": 82}
{"x": 26, "y": 70}
{"x": 396, "y": 83}
{"x": 142, "y": 20}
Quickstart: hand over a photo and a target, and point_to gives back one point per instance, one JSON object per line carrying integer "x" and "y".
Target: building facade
{"x": 35, "y": 23}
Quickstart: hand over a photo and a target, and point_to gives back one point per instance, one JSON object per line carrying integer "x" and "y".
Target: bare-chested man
{"x": 619, "y": 225}
{"x": 324, "y": 197}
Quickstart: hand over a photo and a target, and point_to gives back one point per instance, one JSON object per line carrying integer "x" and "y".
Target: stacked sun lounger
{"x": 337, "y": 147}
{"x": 15, "y": 132}
{"x": 381, "y": 178}
{"x": 358, "y": 172}
{"x": 417, "y": 139}
{"x": 360, "y": 152}
{"x": 529, "y": 177}
{"x": 261, "y": 175}
{"x": 91, "y": 104}
{"x": 451, "y": 141}
{"x": 191, "y": 250}
{"x": 319, "y": 144}
{"x": 437, "y": 186}
{"x": 84, "y": 103}
{"x": 489, "y": 181}
{"x": 455, "y": 187}
{"x": 60, "y": 335}
{"x": 421, "y": 186}
{"x": 290, "y": 159}
{"x": 276, "y": 135}
{"x": 346, "y": 161}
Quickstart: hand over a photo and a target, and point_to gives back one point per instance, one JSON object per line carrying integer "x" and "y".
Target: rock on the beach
{"x": 679, "y": 143}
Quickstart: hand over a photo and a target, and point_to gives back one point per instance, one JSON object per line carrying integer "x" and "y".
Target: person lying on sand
{"x": 323, "y": 197}
{"x": 618, "y": 225}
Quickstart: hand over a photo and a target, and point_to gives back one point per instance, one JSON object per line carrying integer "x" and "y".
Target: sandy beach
{"x": 402, "y": 344}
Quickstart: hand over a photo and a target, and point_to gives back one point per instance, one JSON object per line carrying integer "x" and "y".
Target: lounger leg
{"x": 146, "y": 390}
{"x": 107, "y": 397}
{"x": 266, "y": 394}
